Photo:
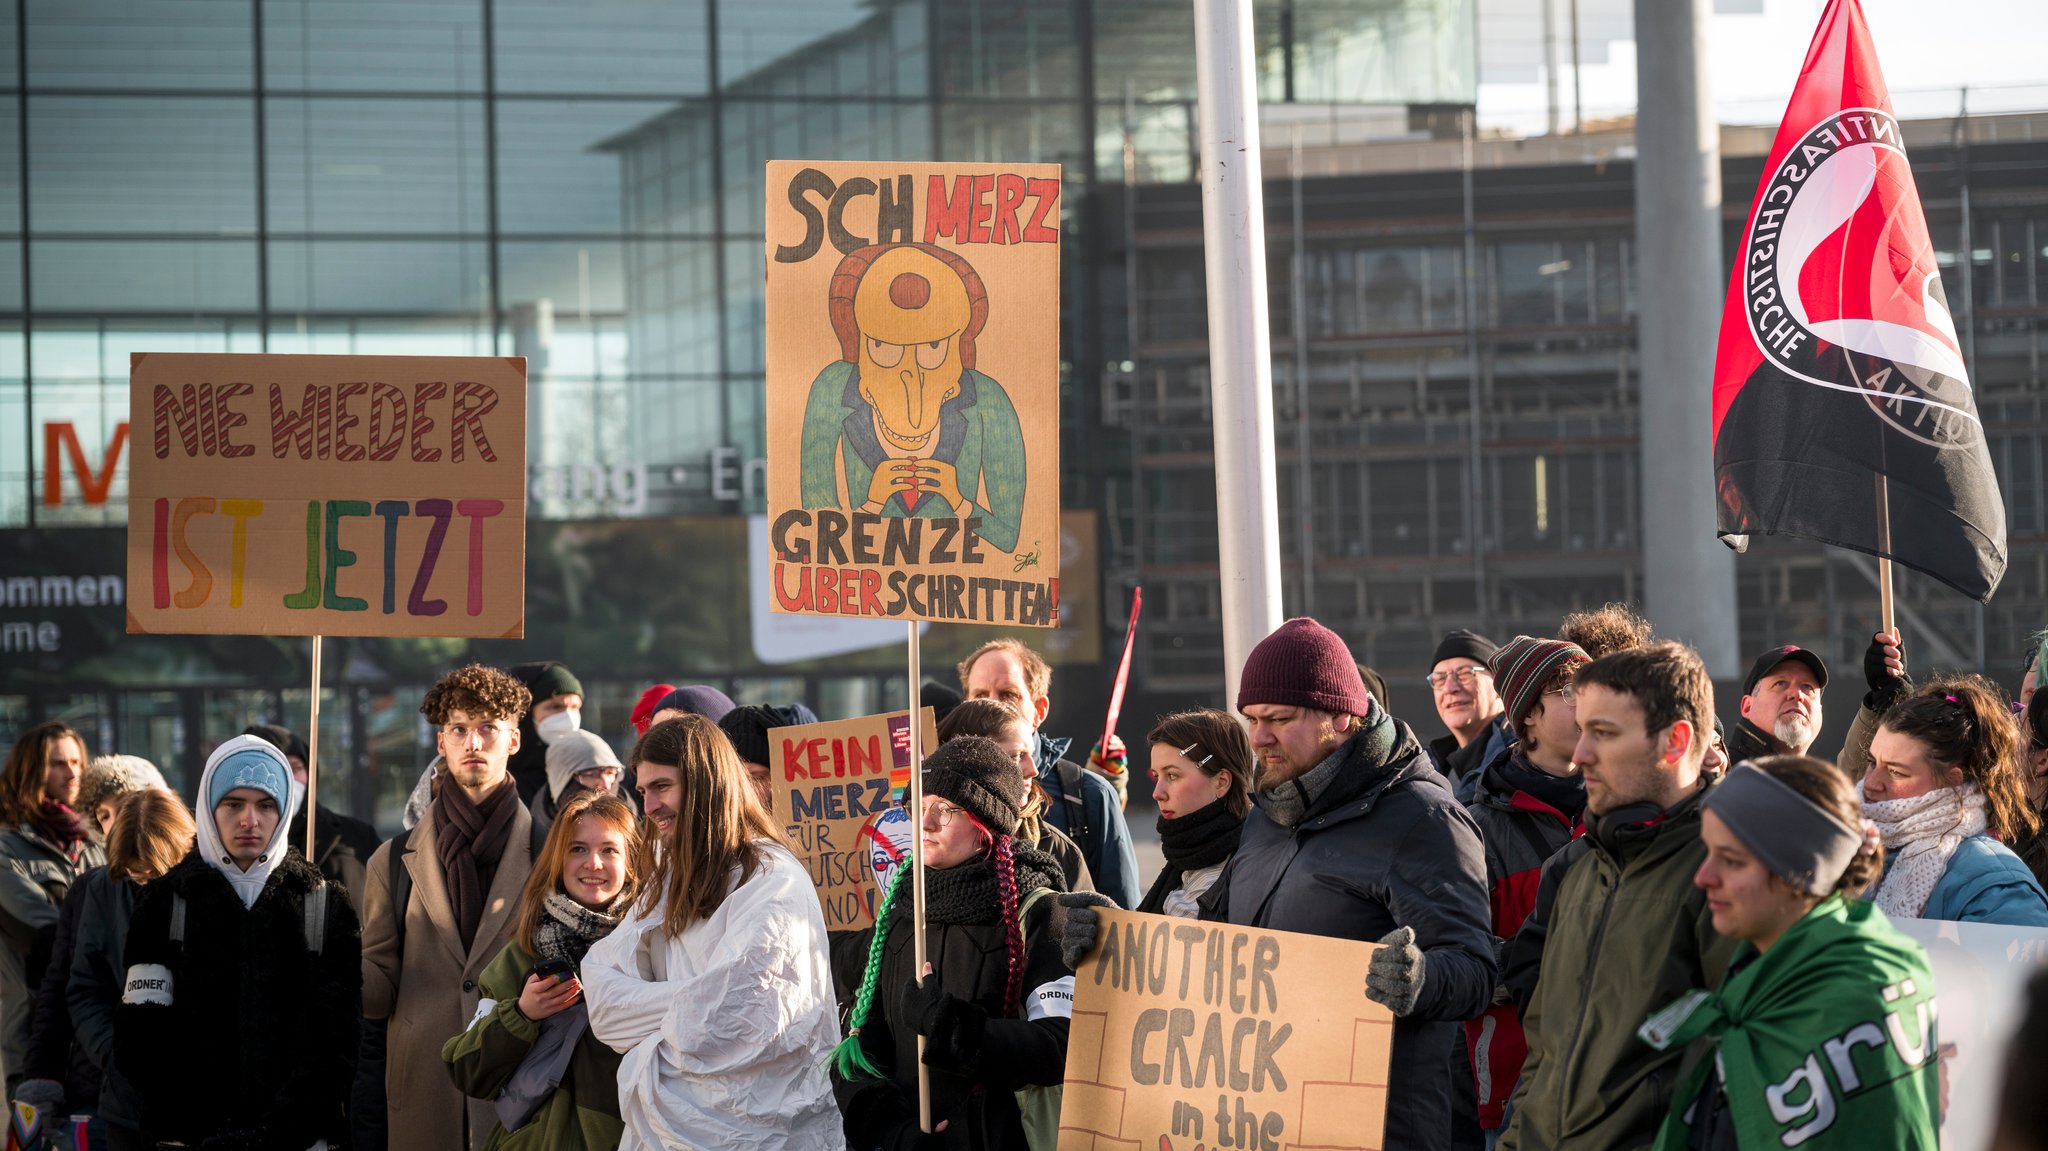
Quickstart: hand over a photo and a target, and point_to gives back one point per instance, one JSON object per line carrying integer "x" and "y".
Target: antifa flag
{"x": 1839, "y": 369}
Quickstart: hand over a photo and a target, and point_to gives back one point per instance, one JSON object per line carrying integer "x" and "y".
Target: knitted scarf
{"x": 1287, "y": 804}
{"x": 61, "y": 826}
{"x": 1565, "y": 793}
{"x": 966, "y": 894}
{"x": 469, "y": 839}
{"x": 567, "y": 928}
{"x": 1920, "y": 835}
{"x": 1191, "y": 842}
{"x": 1826, "y": 1040}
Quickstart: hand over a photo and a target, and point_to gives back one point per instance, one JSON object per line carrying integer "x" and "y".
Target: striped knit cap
{"x": 1523, "y": 665}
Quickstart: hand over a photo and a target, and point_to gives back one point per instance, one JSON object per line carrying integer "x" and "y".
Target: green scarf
{"x": 1824, "y": 1041}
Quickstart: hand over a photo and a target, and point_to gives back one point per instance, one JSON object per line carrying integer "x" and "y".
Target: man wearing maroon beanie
{"x": 1355, "y": 836}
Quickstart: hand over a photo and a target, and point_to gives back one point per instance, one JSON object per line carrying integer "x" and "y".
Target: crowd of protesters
{"x": 1603, "y": 919}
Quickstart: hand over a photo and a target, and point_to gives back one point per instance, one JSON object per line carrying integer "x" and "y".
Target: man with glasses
{"x": 1781, "y": 712}
{"x": 1528, "y": 804}
{"x": 1462, "y": 685}
{"x": 439, "y": 906}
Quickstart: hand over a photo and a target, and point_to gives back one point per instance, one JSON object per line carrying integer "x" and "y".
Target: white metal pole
{"x": 1240, "y": 346}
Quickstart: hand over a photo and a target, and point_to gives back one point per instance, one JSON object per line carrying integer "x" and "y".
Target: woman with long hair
{"x": 45, "y": 845}
{"x": 1201, "y": 780}
{"x": 152, "y": 832}
{"x": 530, "y": 1048}
{"x": 995, "y": 1000}
{"x": 1821, "y": 1035}
{"x": 1944, "y": 790}
{"x": 717, "y": 988}
{"x": 1012, "y": 731}
{"x": 2033, "y": 770}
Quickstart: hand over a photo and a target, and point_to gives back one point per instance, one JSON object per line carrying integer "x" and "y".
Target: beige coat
{"x": 430, "y": 993}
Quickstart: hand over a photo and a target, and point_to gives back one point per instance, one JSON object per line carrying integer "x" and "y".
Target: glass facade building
{"x": 581, "y": 184}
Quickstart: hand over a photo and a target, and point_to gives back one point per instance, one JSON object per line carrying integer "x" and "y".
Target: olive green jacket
{"x": 1622, "y": 932}
{"x": 581, "y": 1115}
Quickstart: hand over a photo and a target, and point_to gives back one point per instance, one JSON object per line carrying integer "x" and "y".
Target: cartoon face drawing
{"x": 911, "y": 310}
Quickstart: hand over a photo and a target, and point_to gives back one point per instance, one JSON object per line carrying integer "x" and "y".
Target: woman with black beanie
{"x": 1201, "y": 780}
{"x": 995, "y": 1001}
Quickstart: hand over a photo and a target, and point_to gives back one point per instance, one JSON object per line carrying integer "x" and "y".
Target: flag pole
{"x": 1884, "y": 560}
{"x": 917, "y": 753}
{"x": 313, "y": 754}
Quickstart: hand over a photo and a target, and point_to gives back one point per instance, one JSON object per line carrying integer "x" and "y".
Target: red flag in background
{"x": 1839, "y": 361}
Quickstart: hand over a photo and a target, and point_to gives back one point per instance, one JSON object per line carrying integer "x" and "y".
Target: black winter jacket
{"x": 1386, "y": 846}
{"x": 93, "y": 989}
{"x": 240, "y": 1038}
{"x": 993, "y": 1050}
{"x": 52, "y": 1053}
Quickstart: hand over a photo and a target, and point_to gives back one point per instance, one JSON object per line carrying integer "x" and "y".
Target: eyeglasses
{"x": 942, "y": 813}
{"x": 1568, "y": 693}
{"x": 486, "y": 733}
{"x": 1465, "y": 676}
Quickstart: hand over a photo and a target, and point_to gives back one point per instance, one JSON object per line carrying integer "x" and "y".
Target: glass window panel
{"x": 86, "y": 152}
{"x": 579, "y": 278}
{"x": 1391, "y": 52}
{"x": 1399, "y": 509}
{"x": 1163, "y": 140}
{"x": 17, "y": 474}
{"x": 1444, "y": 288}
{"x": 746, "y": 306}
{"x": 380, "y": 277}
{"x": 758, "y": 131}
{"x": 1015, "y": 133}
{"x": 562, "y": 164}
{"x": 406, "y": 336}
{"x": 1153, "y": 56}
{"x": 10, "y": 276}
{"x": 1613, "y": 273}
{"x": 647, "y": 47}
{"x": 2011, "y": 254}
{"x": 812, "y": 48}
{"x": 10, "y": 164}
{"x": 374, "y": 45}
{"x": 671, "y": 308}
{"x": 341, "y": 164}
{"x": 1391, "y": 282}
{"x": 139, "y": 44}
{"x": 178, "y": 276}
{"x": 1574, "y": 275}
{"x": 1526, "y": 290}
{"x": 1001, "y": 48}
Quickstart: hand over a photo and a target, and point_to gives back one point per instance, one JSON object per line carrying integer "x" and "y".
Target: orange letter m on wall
{"x": 60, "y": 435}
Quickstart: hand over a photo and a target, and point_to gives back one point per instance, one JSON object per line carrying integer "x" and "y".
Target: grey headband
{"x": 1791, "y": 836}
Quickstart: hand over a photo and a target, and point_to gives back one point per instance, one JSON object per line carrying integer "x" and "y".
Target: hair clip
{"x": 1202, "y": 762}
{"x": 1953, "y": 700}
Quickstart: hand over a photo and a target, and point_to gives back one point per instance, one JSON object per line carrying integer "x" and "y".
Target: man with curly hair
{"x": 1606, "y": 629}
{"x": 428, "y": 933}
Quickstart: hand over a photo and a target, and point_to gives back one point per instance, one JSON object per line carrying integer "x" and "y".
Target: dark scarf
{"x": 62, "y": 826}
{"x": 1191, "y": 842}
{"x": 567, "y": 928}
{"x": 469, "y": 839}
{"x": 1288, "y": 803}
{"x": 1566, "y": 793}
{"x": 967, "y": 894}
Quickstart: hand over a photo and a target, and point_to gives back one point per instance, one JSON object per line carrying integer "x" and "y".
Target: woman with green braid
{"x": 994, "y": 1000}
{"x": 1821, "y": 1035}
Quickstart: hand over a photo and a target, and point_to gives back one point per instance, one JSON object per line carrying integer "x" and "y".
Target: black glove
{"x": 1081, "y": 926}
{"x": 906, "y": 1136}
{"x": 1886, "y": 688}
{"x": 952, "y": 1027}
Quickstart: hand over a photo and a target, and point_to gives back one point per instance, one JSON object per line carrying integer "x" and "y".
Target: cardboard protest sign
{"x": 834, "y": 788}
{"x": 1191, "y": 1034}
{"x": 327, "y": 495}
{"x": 913, "y": 391}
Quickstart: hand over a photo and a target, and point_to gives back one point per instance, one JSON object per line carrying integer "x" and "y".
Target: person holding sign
{"x": 529, "y": 1049}
{"x": 1822, "y": 1035}
{"x": 1355, "y": 836}
{"x": 1201, "y": 772}
{"x": 995, "y": 1001}
{"x": 717, "y": 988}
{"x": 993, "y": 719}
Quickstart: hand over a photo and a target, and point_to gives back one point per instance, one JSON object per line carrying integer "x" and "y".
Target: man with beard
{"x": 1781, "y": 712}
{"x": 1619, "y": 931}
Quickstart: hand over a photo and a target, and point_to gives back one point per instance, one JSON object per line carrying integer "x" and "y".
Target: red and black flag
{"x": 1839, "y": 369}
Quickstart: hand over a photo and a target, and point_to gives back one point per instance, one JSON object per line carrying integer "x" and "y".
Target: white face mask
{"x": 559, "y": 724}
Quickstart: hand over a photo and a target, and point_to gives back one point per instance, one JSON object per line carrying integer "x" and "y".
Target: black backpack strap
{"x": 178, "y": 918}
